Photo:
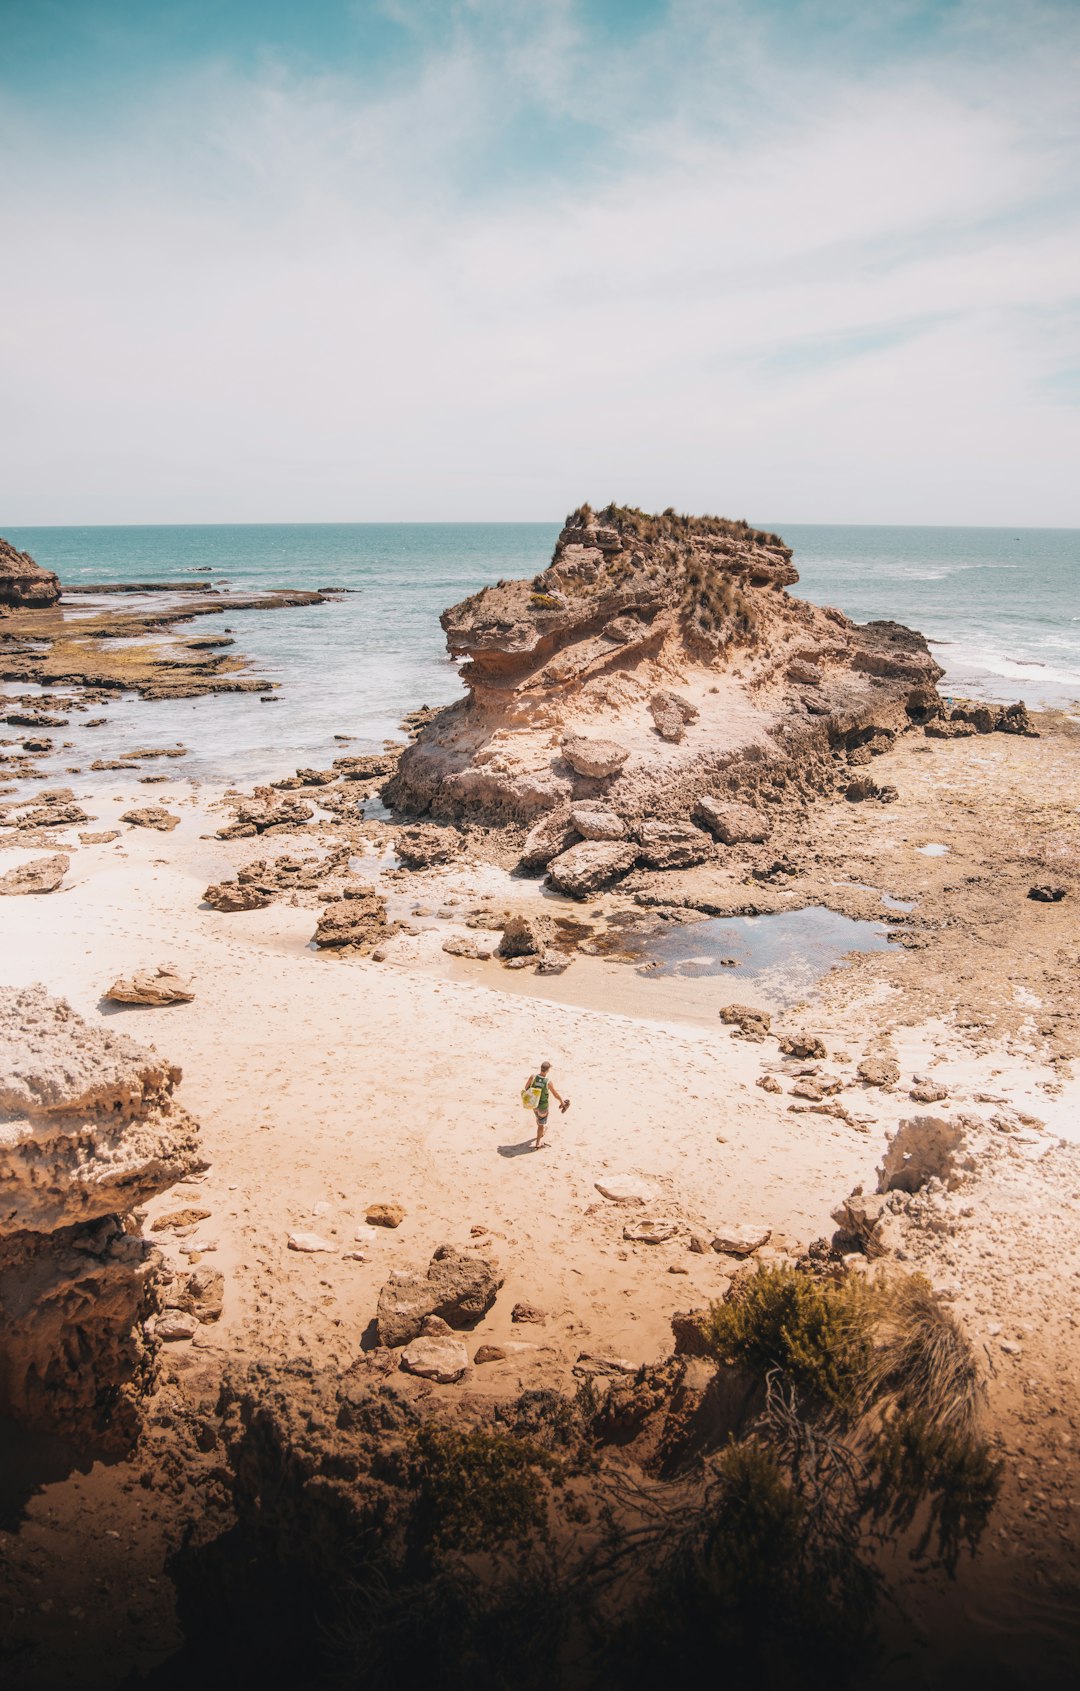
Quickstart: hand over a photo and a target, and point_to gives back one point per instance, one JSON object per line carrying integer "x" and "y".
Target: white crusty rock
{"x": 598, "y": 824}
{"x": 440, "y": 1358}
{"x": 730, "y": 822}
{"x": 741, "y": 1241}
{"x": 153, "y": 987}
{"x": 309, "y": 1243}
{"x": 923, "y": 1148}
{"x": 650, "y": 1230}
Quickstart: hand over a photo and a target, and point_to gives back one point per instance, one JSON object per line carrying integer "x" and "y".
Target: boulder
{"x": 741, "y": 1241}
{"x": 804, "y": 1045}
{"x": 597, "y": 759}
{"x": 426, "y": 845}
{"x": 732, "y": 823}
{"x": 155, "y": 987}
{"x": 552, "y": 835}
{"x": 671, "y": 714}
{"x": 923, "y": 1148}
{"x": 673, "y": 845}
{"x": 231, "y": 896}
{"x": 879, "y": 1071}
{"x": 152, "y": 816}
{"x": 524, "y": 936}
{"x": 458, "y": 1287}
{"x": 357, "y": 921}
{"x": 598, "y": 824}
{"x": 589, "y": 867}
{"x": 24, "y": 585}
{"x": 751, "y": 1022}
{"x": 384, "y": 1215}
{"x": 440, "y": 1358}
{"x": 42, "y": 874}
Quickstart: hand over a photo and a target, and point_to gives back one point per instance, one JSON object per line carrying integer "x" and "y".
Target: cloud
{"x": 736, "y": 259}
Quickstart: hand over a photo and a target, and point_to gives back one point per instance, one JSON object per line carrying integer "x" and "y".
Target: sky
{"x": 380, "y": 260}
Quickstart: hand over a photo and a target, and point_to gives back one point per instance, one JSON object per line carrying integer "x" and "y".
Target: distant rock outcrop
{"x": 658, "y": 661}
{"x": 89, "y": 1128}
{"x": 24, "y": 585}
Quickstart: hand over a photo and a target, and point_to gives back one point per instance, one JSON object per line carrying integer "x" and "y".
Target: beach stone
{"x": 673, "y": 845}
{"x": 444, "y": 1360}
{"x": 426, "y": 845}
{"x": 621, "y": 1191}
{"x": 922, "y": 1148}
{"x": 358, "y": 920}
{"x": 595, "y": 758}
{"x": 553, "y": 962}
{"x": 1046, "y": 895}
{"x": 808, "y": 1087}
{"x": 460, "y": 945}
{"x": 174, "y": 1324}
{"x": 802, "y": 1045}
{"x": 489, "y": 1353}
{"x": 751, "y": 1022}
{"x": 598, "y": 824}
{"x": 549, "y": 838}
{"x": 879, "y": 1071}
{"x": 105, "y": 837}
{"x": 741, "y": 1241}
{"x": 670, "y": 714}
{"x": 42, "y": 874}
{"x": 230, "y": 896}
{"x": 308, "y": 1242}
{"x": 384, "y": 1215}
{"x": 769, "y": 1083}
{"x": 529, "y": 1313}
{"x": 265, "y": 809}
{"x": 459, "y": 1287}
{"x": 524, "y": 936}
{"x": 651, "y": 1230}
{"x": 587, "y": 868}
{"x": 928, "y": 1092}
{"x": 152, "y": 816}
{"x": 155, "y": 987}
{"x": 176, "y": 1219}
{"x": 698, "y": 1244}
{"x": 732, "y": 823}
{"x": 53, "y": 815}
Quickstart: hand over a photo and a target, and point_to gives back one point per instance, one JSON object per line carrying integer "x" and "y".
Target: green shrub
{"x": 477, "y": 1491}
{"x": 924, "y": 1360}
{"x": 818, "y": 1333}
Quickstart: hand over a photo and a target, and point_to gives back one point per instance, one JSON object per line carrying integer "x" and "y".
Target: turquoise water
{"x": 1001, "y": 605}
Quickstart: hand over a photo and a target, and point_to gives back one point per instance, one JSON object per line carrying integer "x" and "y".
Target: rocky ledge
{"x": 89, "y": 1128}
{"x": 23, "y": 583}
{"x": 658, "y": 667}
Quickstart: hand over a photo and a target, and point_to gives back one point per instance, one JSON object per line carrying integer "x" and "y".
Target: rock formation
{"x": 658, "y": 666}
{"x": 24, "y": 585}
{"x": 89, "y": 1128}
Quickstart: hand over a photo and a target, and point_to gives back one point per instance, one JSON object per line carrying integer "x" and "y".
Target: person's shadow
{"x": 517, "y": 1150}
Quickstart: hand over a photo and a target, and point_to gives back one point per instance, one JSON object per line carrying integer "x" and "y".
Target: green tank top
{"x": 541, "y": 1081}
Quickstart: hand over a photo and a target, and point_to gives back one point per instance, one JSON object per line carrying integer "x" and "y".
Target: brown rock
{"x": 151, "y": 816}
{"x": 551, "y": 836}
{"x": 24, "y": 585}
{"x": 732, "y": 823}
{"x": 524, "y": 936}
{"x": 673, "y": 845}
{"x": 589, "y": 867}
{"x": 803, "y": 1045}
{"x": 384, "y": 1215}
{"x": 154, "y": 987}
{"x": 42, "y": 874}
{"x": 597, "y": 824}
{"x": 879, "y": 1071}
{"x": 752, "y": 1022}
{"x": 230, "y": 896}
{"x": 357, "y": 921}
{"x": 426, "y": 845}
{"x": 598, "y": 759}
{"x": 529, "y": 1313}
{"x": 769, "y": 1083}
{"x": 458, "y": 1286}
{"x": 671, "y": 714}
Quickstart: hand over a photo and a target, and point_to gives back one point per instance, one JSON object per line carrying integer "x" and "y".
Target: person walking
{"x": 541, "y": 1084}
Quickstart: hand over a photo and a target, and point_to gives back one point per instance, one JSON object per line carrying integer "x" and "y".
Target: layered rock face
{"x": 658, "y": 661}
{"x": 23, "y": 583}
{"x": 89, "y": 1128}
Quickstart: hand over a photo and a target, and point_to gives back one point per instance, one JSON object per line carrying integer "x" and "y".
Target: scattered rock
{"x": 489, "y": 1353}
{"x": 673, "y": 845}
{"x": 595, "y": 758}
{"x": 173, "y": 1324}
{"x": 41, "y": 874}
{"x": 458, "y": 1287}
{"x": 731, "y": 822}
{"x": 802, "y": 1045}
{"x": 751, "y": 1022}
{"x": 621, "y": 1191}
{"x": 922, "y": 1148}
{"x": 105, "y": 837}
{"x": 230, "y": 896}
{"x": 769, "y": 1083}
{"x": 554, "y": 962}
{"x": 928, "y": 1092}
{"x": 53, "y": 815}
{"x": 551, "y": 836}
{"x": 879, "y": 1071}
{"x": 524, "y": 936}
{"x": 309, "y": 1242}
{"x": 444, "y": 1360}
{"x": 179, "y": 1218}
{"x": 671, "y": 714}
{"x": 529, "y": 1313}
{"x": 1046, "y": 895}
{"x": 202, "y": 1293}
{"x": 154, "y": 987}
{"x": 426, "y": 845}
{"x": 384, "y": 1215}
{"x": 741, "y": 1241}
{"x": 357, "y": 921}
{"x": 589, "y": 867}
{"x": 152, "y": 816}
{"x": 597, "y": 824}
{"x": 461, "y": 945}
{"x": 651, "y": 1230}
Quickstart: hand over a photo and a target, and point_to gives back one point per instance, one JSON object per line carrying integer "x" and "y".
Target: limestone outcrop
{"x": 657, "y": 668}
{"x": 24, "y": 585}
{"x": 89, "y": 1128}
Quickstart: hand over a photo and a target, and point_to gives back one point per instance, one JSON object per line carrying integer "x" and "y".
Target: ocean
{"x": 1001, "y": 607}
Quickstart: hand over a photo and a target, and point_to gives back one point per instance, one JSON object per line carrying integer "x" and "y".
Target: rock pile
{"x": 89, "y": 1128}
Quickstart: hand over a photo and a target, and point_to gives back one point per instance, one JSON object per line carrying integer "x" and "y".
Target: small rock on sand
{"x": 154, "y": 987}
{"x": 384, "y": 1215}
{"x": 528, "y": 1313}
{"x": 652, "y": 1230}
{"x": 741, "y": 1241}
{"x": 442, "y": 1359}
{"x": 152, "y": 816}
{"x": 42, "y": 874}
{"x": 309, "y": 1242}
{"x": 173, "y": 1324}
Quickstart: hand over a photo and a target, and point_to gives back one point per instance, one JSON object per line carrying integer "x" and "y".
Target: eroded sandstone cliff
{"x": 89, "y": 1128}
{"x": 674, "y": 643}
{"x": 23, "y": 583}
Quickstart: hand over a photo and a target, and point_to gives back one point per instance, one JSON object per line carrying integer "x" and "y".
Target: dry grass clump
{"x": 923, "y": 1359}
{"x": 668, "y": 525}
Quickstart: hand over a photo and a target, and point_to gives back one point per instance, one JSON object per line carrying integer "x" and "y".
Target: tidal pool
{"x": 784, "y": 955}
